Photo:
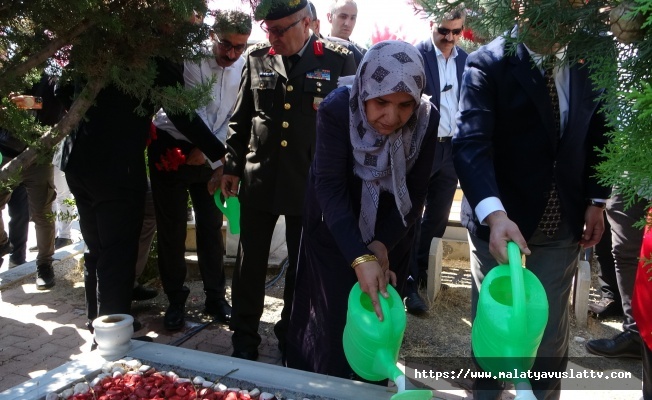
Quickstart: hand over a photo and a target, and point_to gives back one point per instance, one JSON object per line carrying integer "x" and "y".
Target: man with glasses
{"x": 444, "y": 65}
{"x": 199, "y": 175}
{"x": 271, "y": 146}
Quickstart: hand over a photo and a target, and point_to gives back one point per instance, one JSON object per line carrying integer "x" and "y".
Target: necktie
{"x": 552, "y": 213}
{"x": 292, "y": 61}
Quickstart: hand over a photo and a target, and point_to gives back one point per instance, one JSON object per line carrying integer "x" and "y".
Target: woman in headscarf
{"x": 367, "y": 185}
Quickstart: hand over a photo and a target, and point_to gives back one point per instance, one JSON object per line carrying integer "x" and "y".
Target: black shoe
{"x": 219, "y": 309}
{"x": 606, "y": 308}
{"x": 141, "y": 292}
{"x": 415, "y": 304}
{"x": 6, "y": 249}
{"x": 44, "y": 276}
{"x": 33, "y": 248}
{"x": 175, "y": 317}
{"x": 245, "y": 354}
{"x": 626, "y": 344}
{"x": 13, "y": 263}
{"x": 61, "y": 242}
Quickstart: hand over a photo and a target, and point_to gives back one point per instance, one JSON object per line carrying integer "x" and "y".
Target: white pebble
{"x": 144, "y": 368}
{"x": 52, "y": 396}
{"x": 207, "y": 384}
{"x": 117, "y": 374}
{"x": 233, "y": 389}
{"x": 266, "y": 396}
{"x": 133, "y": 364}
{"x": 133, "y": 373}
{"x": 579, "y": 339}
{"x": 221, "y": 387}
{"x": 118, "y": 369}
{"x": 254, "y": 393}
{"x": 198, "y": 380}
{"x": 96, "y": 381}
{"x": 183, "y": 380}
{"x": 67, "y": 393}
{"x": 81, "y": 388}
{"x": 172, "y": 375}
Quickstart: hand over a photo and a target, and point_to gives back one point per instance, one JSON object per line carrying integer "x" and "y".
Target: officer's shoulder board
{"x": 259, "y": 47}
{"x": 337, "y": 48}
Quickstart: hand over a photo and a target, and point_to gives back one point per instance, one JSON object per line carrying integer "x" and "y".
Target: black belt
{"x": 444, "y": 138}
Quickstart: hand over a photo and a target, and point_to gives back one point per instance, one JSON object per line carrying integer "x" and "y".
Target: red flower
{"x": 171, "y": 160}
{"x": 152, "y": 134}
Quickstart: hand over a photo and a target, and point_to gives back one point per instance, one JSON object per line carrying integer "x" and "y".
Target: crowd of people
{"x": 361, "y": 151}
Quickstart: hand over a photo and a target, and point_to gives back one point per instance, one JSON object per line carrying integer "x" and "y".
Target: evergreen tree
{"x": 100, "y": 42}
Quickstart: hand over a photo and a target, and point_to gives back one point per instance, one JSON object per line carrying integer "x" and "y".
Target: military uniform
{"x": 271, "y": 145}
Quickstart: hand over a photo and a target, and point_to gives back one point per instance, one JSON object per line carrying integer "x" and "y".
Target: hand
{"x": 593, "y": 226}
{"x": 196, "y": 157}
{"x": 503, "y": 230}
{"x": 373, "y": 279}
{"x": 380, "y": 251}
{"x": 230, "y": 185}
{"x": 216, "y": 180}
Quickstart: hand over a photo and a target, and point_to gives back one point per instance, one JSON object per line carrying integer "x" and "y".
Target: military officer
{"x": 271, "y": 145}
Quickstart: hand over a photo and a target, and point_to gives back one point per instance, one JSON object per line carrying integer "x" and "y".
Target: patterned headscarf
{"x": 382, "y": 162}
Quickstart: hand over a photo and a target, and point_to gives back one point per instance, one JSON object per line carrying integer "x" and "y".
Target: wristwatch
{"x": 599, "y": 204}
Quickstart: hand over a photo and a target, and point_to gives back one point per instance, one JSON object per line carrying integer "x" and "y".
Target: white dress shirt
{"x": 449, "y": 101}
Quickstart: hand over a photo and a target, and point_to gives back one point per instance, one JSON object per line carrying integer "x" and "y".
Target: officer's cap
{"x": 276, "y": 9}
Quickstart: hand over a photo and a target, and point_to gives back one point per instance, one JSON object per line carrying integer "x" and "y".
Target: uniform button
{"x": 262, "y": 85}
{"x": 287, "y": 106}
{"x": 318, "y": 84}
{"x": 284, "y": 143}
{"x": 289, "y": 88}
{"x": 285, "y": 124}
{"x": 318, "y": 90}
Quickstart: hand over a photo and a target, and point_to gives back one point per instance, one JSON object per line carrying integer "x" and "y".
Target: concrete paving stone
{"x": 35, "y": 343}
{"x": 10, "y": 379}
{"x": 9, "y": 340}
{"x": 74, "y": 341}
{"x": 9, "y": 352}
{"x": 28, "y": 331}
{"x": 36, "y": 355}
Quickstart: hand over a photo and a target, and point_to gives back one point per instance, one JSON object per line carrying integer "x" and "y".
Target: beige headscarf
{"x": 382, "y": 162}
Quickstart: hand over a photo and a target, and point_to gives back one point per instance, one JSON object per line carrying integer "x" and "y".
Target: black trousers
{"x": 248, "y": 291}
{"x": 110, "y": 218}
{"x": 18, "y": 210}
{"x": 170, "y": 191}
{"x": 441, "y": 190}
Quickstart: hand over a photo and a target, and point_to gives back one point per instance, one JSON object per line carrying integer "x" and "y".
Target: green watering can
{"x": 511, "y": 316}
{"x": 231, "y": 210}
{"x": 371, "y": 346}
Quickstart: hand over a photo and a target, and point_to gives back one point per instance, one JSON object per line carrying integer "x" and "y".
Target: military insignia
{"x": 316, "y": 102}
{"x": 272, "y": 52}
{"x": 318, "y": 48}
{"x": 266, "y": 73}
{"x": 337, "y": 48}
{"x": 321, "y": 74}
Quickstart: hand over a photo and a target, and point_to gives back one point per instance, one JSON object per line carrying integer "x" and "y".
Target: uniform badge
{"x": 318, "y": 48}
{"x": 322, "y": 74}
{"x": 316, "y": 102}
{"x": 266, "y": 73}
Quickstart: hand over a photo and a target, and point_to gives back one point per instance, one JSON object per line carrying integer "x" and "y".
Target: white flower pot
{"x": 113, "y": 334}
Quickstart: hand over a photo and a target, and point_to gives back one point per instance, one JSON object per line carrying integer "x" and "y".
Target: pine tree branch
{"x": 53, "y": 136}
{"x": 34, "y": 60}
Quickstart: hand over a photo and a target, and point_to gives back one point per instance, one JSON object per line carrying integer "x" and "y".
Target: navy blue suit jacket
{"x": 507, "y": 145}
{"x": 427, "y": 50}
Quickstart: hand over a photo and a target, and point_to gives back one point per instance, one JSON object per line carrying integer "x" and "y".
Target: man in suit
{"x": 271, "y": 144}
{"x": 444, "y": 64}
{"x": 525, "y": 156}
{"x": 200, "y": 175}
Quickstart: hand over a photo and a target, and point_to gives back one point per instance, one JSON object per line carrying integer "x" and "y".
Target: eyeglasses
{"x": 277, "y": 31}
{"x": 228, "y": 46}
{"x": 446, "y": 31}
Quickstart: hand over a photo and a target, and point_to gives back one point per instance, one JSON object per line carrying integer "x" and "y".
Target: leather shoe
{"x": 626, "y": 344}
{"x": 14, "y": 263}
{"x": 415, "y": 304}
{"x": 44, "y": 276}
{"x": 61, "y": 242}
{"x": 246, "y": 354}
{"x": 606, "y": 308}
{"x": 175, "y": 316}
{"x": 219, "y": 309}
{"x": 141, "y": 292}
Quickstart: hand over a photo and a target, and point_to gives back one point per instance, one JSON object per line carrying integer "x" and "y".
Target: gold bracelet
{"x": 363, "y": 259}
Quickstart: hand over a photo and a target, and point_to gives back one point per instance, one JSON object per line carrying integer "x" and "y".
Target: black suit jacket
{"x": 427, "y": 50}
{"x": 507, "y": 145}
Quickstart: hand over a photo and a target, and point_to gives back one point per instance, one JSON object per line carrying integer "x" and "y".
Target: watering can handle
{"x": 218, "y": 200}
{"x": 519, "y": 323}
{"x": 387, "y": 316}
